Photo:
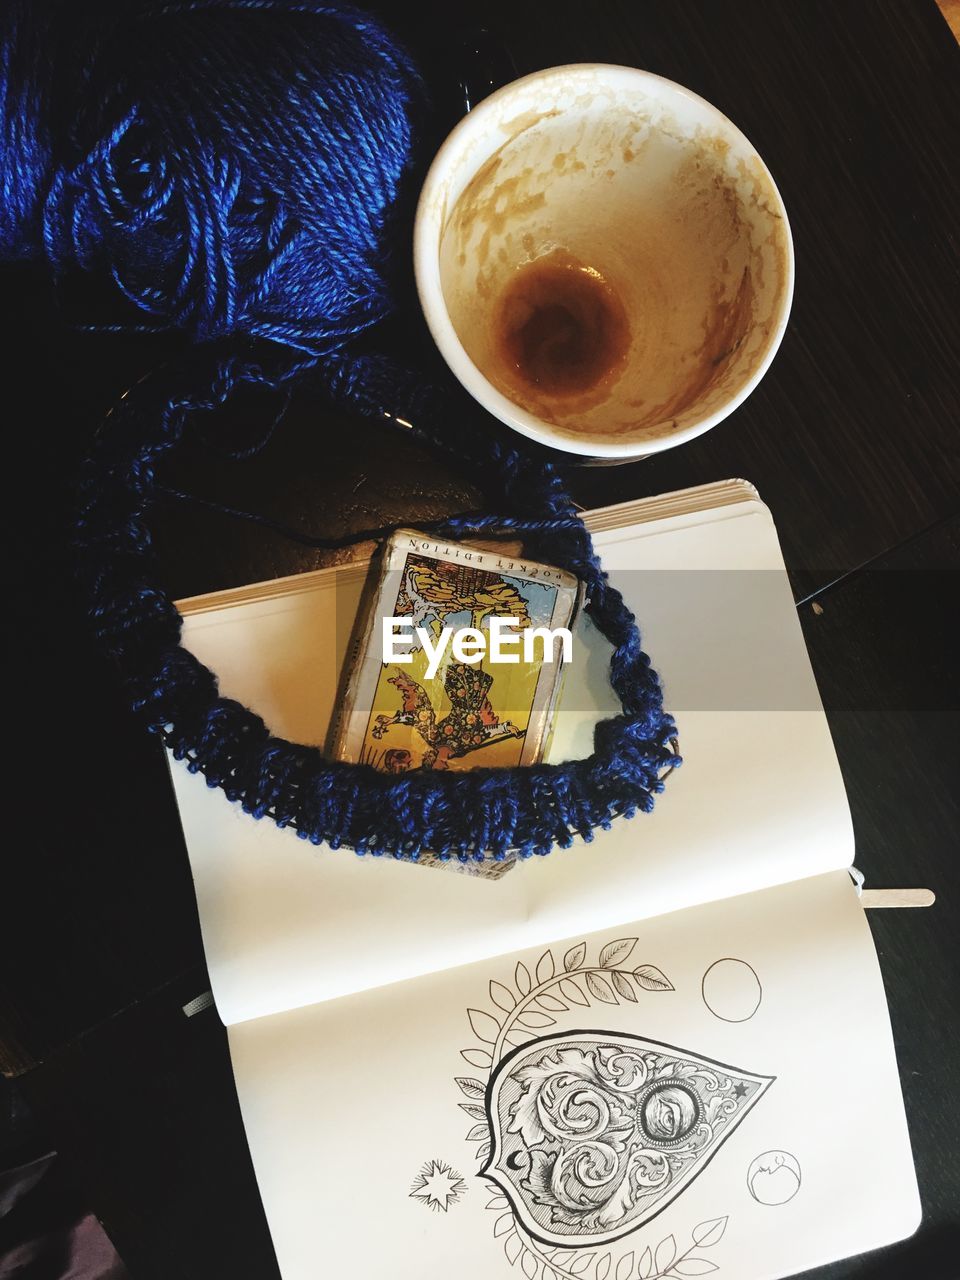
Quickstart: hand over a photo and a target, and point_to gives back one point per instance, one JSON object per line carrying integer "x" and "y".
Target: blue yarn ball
{"x": 228, "y": 166}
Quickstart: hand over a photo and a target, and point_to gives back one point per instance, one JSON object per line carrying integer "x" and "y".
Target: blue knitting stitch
{"x": 231, "y": 166}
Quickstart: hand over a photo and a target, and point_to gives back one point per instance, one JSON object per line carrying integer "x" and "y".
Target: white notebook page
{"x": 346, "y": 1102}
{"x": 759, "y": 800}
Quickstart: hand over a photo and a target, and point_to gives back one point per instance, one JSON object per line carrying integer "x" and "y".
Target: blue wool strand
{"x": 230, "y": 168}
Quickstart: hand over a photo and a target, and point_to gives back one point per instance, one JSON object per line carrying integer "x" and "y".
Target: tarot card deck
{"x": 456, "y": 661}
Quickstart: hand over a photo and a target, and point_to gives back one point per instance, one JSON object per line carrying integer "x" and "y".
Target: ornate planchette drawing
{"x": 594, "y": 1133}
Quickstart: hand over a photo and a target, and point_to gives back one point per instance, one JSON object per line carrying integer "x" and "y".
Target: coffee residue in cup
{"x": 560, "y": 328}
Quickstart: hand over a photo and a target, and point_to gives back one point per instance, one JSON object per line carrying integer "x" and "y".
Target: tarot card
{"x": 420, "y": 703}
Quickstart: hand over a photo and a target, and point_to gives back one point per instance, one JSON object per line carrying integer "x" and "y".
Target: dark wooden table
{"x": 852, "y": 439}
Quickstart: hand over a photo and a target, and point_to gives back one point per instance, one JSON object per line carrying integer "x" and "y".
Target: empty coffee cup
{"x": 603, "y": 260}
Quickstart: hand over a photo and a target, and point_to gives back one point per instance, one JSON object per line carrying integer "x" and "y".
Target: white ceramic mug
{"x": 639, "y": 195}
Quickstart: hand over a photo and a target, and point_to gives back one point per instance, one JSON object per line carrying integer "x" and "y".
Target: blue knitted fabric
{"x": 231, "y": 168}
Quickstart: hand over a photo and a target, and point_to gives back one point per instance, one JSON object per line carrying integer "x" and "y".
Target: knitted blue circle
{"x": 470, "y": 815}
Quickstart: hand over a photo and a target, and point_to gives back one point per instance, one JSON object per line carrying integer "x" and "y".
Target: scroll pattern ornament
{"x": 594, "y": 1133}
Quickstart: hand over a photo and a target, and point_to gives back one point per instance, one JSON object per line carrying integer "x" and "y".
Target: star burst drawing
{"x": 438, "y": 1186}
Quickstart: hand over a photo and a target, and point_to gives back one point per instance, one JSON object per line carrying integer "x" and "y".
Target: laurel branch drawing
{"x": 665, "y": 1262}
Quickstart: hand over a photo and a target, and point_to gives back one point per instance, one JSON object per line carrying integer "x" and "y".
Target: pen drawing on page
{"x": 438, "y": 1186}
{"x": 774, "y": 1178}
{"x": 594, "y": 1133}
{"x": 586, "y": 1133}
{"x": 731, "y": 990}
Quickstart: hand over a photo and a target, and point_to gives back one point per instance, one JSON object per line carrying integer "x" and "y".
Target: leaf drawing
{"x": 502, "y": 996}
{"x": 666, "y": 1254}
{"x": 599, "y": 988}
{"x": 482, "y": 1153}
{"x": 580, "y": 1264}
{"x": 616, "y": 952}
{"x": 708, "y": 1233}
{"x": 530, "y": 1264}
{"x": 573, "y": 992}
{"x": 545, "y": 967}
{"x": 503, "y": 1224}
{"x": 522, "y": 978}
{"x": 470, "y": 1088}
{"x": 622, "y": 986}
{"x": 477, "y": 1057}
{"x": 533, "y": 1018}
{"x": 625, "y": 1266}
{"x": 511, "y": 1247}
{"x": 477, "y": 1132}
{"x": 652, "y": 979}
{"x": 548, "y": 1001}
{"x": 693, "y": 1267}
{"x": 484, "y": 1025}
{"x": 645, "y": 1265}
{"x": 473, "y": 1109}
{"x": 603, "y": 1266}
{"x": 575, "y": 957}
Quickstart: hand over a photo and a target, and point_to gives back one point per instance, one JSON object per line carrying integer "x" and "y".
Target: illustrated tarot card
{"x": 398, "y": 716}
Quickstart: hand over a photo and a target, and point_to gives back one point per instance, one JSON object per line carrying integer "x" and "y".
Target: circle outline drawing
{"x": 703, "y": 985}
{"x": 793, "y": 1167}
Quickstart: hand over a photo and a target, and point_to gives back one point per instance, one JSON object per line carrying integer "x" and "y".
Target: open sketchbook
{"x": 663, "y": 1054}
